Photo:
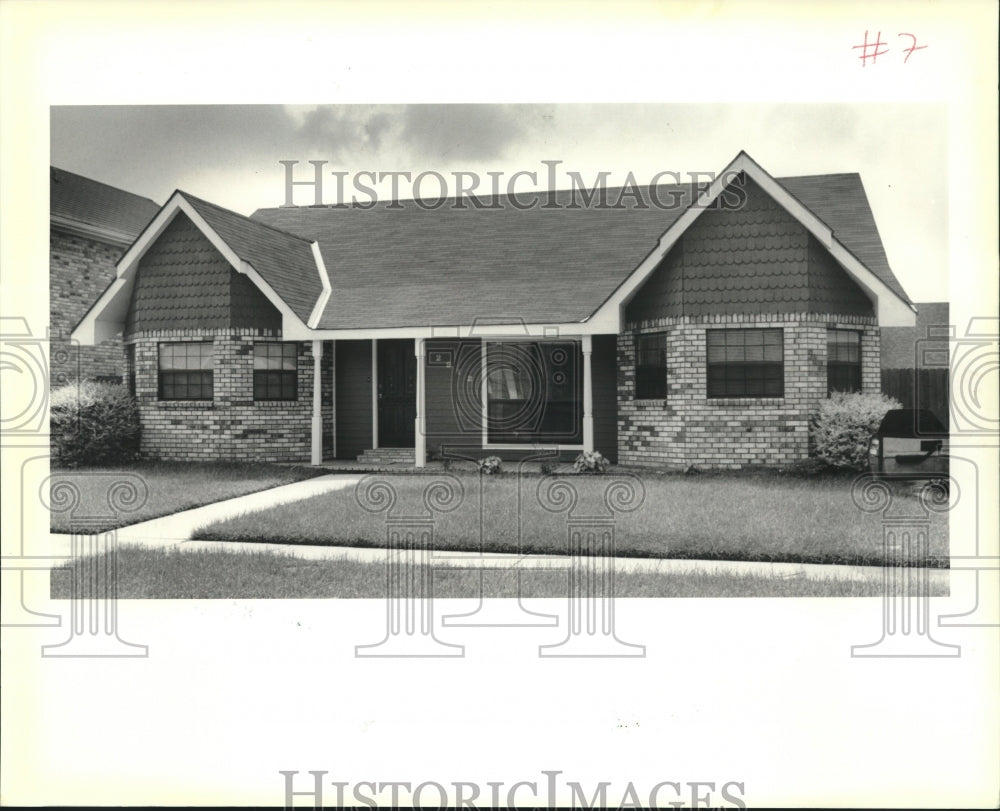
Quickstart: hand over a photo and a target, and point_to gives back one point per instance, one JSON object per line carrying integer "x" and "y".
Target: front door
{"x": 397, "y": 393}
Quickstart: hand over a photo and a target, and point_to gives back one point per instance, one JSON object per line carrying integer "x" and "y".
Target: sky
{"x": 230, "y": 154}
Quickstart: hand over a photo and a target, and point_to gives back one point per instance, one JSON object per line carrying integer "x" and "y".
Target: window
{"x": 843, "y": 360}
{"x": 534, "y": 392}
{"x": 651, "y": 367}
{"x": 746, "y": 363}
{"x": 275, "y": 371}
{"x": 186, "y": 371}
{"x": 130, "y": 369}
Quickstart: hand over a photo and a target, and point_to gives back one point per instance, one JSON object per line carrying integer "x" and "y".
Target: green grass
{"x": 172, "y": 487}
{"x": 716, "y": 517}
{"x": 230, "y": 575}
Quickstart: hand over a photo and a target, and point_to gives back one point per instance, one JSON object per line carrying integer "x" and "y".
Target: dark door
{"x": 397, "y": 393}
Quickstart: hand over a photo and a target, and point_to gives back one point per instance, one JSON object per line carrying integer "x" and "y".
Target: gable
{"x": 757, "y": 258}
{"x": 184, "y": 282}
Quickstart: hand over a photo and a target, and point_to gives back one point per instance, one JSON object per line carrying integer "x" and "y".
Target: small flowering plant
{"x": 490, "y": 465}
{"x": 590, "y": 462}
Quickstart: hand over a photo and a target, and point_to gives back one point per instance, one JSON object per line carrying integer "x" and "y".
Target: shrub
{"x": 843, "y": 424}
{"x": 490, "y": 465}
{"x": 93, "y": 423}
{"x": 590, "y": 462}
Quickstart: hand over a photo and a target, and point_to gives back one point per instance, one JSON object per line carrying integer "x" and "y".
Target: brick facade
{"x": 232, "y": 426}
{"x": 687, "y": 428}
{"x": 79, "y": 270}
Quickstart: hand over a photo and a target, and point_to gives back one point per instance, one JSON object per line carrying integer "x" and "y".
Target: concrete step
{"x": 388, "y": 456}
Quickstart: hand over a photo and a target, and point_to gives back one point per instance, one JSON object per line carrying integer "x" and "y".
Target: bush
{"x": 490, "y": 465}
{"x": 843, "y": 424}
{"x": 590, "y": 462}
{"x": 93, "y": 423}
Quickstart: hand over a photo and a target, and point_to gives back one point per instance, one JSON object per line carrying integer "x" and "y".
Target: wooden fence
{"x": 919, "y": 388}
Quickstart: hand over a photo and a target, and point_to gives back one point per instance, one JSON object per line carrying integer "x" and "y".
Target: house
{"x": 701, "y": 332}
{"x": 916, "y": 361}
{"x": 90, "y": 226}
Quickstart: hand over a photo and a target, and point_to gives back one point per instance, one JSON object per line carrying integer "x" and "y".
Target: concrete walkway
{"x": 175, "y": 531}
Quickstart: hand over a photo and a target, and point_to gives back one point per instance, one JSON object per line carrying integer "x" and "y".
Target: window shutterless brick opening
{"x": 275, "y": 371}
{"x": 745, "y": 363}
{"x": 185, "y": 371}
{"x": 651, "y": 367}
{"x": 843, "y": 360}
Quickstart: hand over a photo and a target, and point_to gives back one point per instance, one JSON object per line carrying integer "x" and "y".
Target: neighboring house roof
{"x": 899, "y": 345}
{"x": 96, "y": 209}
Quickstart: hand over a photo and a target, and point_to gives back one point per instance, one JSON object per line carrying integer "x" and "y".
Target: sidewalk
{"x": 175, "y": 531}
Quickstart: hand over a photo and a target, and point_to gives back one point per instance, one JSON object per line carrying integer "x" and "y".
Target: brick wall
{"x": 231, "y": 426}
{"x": 687, "y": 428}
{"x": 79, "y": 271}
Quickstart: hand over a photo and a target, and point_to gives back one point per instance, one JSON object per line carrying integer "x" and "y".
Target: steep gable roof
{"x": 399, "y": 264}
{"x": 86, "y": 205}
{"x": 840, "y": 201}
{"x": 284, "y": 260}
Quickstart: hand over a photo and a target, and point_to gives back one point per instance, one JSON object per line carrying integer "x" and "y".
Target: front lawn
{"x": 171, "y": 487}
{"x": 717, "y": 517}
{"x": 231, "y": 575}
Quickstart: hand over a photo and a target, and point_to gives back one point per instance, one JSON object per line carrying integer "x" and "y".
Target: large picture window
{"x": 185, "y": 371}
{"x": 843, "y": 360}
{"x": 275, "y": 371}
{"x": 534, "y": 392}
{"x": 746, "y": 363}
{"x": 651, "y": 367}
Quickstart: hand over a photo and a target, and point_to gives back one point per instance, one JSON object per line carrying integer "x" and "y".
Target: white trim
{"x": 324, "y": 296}
{"x": 588, "y": 395}
{"x": 515, "y": 446}
{"x": 484, "y": 392}
{"x": 890, "y": 308}
{"x": 374, "y": 394}
{"x": 513, "y": 332}
{"x": 316, "y": 449}
{"x": 333, "y": 395}
{"x": 420, "y": 427}
{"x": 89, "y": 231}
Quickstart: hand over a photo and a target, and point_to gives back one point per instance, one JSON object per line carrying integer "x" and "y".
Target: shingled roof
{"x": 402, "y": 265}
{"x": 91, "y": 206}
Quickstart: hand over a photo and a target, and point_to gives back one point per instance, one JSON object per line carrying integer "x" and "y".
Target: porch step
{"x": 388, "y": 456}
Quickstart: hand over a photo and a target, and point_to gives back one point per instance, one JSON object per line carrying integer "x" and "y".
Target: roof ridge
{"x": 282, "y": 231}
{"x": 102, "y": 183}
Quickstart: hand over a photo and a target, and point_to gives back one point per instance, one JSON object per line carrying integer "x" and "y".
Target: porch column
{"x": 588, "y": 397}
{"x": 420, "y": 440}
{"x": 316, "y": 455}
{"x": 374, "y": 393}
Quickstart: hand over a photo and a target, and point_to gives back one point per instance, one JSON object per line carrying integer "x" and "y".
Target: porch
{"x": 405, "y": 401}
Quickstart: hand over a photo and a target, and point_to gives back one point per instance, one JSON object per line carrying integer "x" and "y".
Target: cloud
{"x": 461, "y": 131}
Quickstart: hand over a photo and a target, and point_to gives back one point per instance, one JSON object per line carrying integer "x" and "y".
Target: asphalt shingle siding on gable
{"x": 183, "y": 282}
{"x": 405, "y": 266}
{"x": 840, "y": 201}
{"x": 89, "y": 202}
{"x": 755, "y": 259}
{"x": 285, "y": 261}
